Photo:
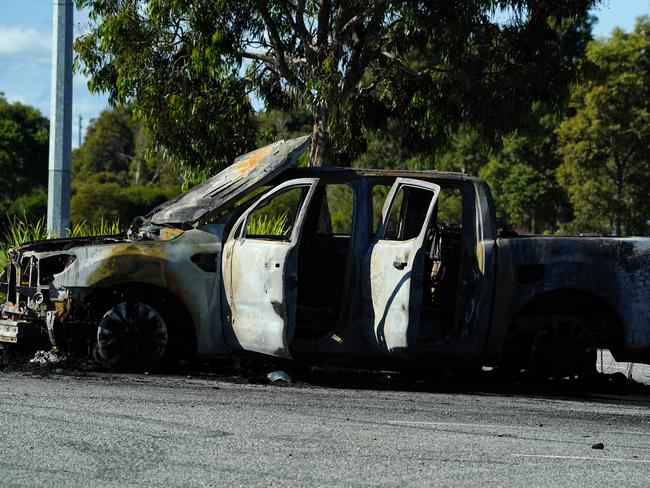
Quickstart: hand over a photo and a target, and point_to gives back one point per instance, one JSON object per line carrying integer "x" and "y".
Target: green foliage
{"x": 170, "y": 62}
{"x": 605, "y": 145}
{"x": 340, "y": 203}
{"x": 109, "y": 144}
{"x": 118, "y": 148}
{"x": 31, "y": 206}
{"x": 117, "y": 174}
{"x": 24, "y": 139}
{"x": 268, "y": 224}
{"x": 450, "y": 207}
{"x": 466, "y": 152}
{"x": 383, "y": 149}
{"x": 274, "y": 125}
{"x": 21, "y": 230}
{"x": 187, "y": 68}
{"x": 275, "y": 217}
{"x": 521, "y": 176}
{"x": 101, "y": 228}
{"x": 95, "y": 201}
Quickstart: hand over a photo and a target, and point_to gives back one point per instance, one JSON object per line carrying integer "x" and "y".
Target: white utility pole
{"x": 58, "y": 194}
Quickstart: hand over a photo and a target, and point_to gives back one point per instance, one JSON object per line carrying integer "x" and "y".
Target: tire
{"x": 131, "y": 334}
{"x": 564, "y": 348}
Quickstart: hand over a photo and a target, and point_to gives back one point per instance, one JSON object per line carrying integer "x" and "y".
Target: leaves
{"x": 169, "y": 62}
{"x": 605, "y": 145}
{"x": 24, "y": 142}
{"x": 188, "y": 68}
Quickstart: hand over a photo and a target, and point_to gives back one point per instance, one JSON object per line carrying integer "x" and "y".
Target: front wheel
{"x": 131, "y": 334}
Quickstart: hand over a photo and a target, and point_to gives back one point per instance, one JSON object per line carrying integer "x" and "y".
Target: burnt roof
{"x": 350, "y": 173}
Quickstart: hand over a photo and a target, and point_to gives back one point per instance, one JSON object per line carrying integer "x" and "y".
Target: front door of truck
{"x": 261, "y": 269}
{"x": 394, "y": 267}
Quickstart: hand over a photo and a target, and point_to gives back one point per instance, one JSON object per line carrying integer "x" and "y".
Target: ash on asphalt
{"x": 256, "y": 370}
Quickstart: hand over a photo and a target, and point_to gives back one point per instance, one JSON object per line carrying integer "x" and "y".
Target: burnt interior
{"x": 441, "y": 272}
{"x": 323, "y": 259}
{"x": 441, "y": 249}
{"x": 322, "y": 262}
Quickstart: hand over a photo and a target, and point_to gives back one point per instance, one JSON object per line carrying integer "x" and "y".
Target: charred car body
{"x": 333, "y": 265}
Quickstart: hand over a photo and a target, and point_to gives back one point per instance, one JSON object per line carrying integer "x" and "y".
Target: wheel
{"x": 563, "y": 349}
{"x": 131, "y": 333}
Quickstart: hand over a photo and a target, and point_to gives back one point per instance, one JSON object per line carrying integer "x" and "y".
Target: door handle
{"x": 399, "y": 264}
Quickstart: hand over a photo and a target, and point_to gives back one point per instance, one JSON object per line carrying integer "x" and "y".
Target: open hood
{"x": 248, "y": 171}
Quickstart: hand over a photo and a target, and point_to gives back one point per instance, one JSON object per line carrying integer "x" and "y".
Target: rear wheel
{"x": 131, "y": 334}
{"x": 564, "y": 348}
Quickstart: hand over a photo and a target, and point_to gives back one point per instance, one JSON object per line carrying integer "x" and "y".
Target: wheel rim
{"x": 131, "y": 332}
{"x": 563, "y": 349}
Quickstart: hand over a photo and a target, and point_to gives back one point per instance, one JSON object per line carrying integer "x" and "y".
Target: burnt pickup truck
{"x": 338, "y": 266}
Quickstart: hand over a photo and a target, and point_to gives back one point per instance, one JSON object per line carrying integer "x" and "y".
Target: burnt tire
{"x": 563, "y": 349}
{"x": 131, "y": 335}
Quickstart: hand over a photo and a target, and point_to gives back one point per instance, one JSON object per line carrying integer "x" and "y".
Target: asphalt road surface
{"x": 97, "y": 429}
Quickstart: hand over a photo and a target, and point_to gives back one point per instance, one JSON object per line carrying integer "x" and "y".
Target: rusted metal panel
{"x": 248, "y": 171}
{"x": 395, "y": 280}
{"x": 261, "y": 279}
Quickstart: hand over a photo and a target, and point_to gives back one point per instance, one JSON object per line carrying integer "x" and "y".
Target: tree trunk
{"x": 138, "y": 172}
{"x": 321, "y": 147}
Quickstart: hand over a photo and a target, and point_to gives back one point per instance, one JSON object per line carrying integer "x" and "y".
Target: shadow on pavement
{"x": 602, "y": 387}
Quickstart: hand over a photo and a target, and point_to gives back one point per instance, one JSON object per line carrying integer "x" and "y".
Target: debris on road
{"x": 48, "y": 358}
{"x": 279, "y": 376}
{"x": 598, "y": 445}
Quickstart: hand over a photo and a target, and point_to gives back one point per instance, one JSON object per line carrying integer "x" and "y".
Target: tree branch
{"x": 362, "y": 54}
{"x": 350, "y": 24}
{"x": 342, "y": 13}
{"x": 323, "y": 23}
{"x": 258, "y": 57}
{"x": 400, "y": 64}
{"x": 270, "y": 60}
{"x": 298, "y": 25}
{"x": 274, "y": 35}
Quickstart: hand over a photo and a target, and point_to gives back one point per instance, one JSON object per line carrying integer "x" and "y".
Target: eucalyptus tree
{"x": 188, "y": 67}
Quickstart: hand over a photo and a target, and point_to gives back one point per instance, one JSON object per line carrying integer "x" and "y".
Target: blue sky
{"x": 26, "y": 39}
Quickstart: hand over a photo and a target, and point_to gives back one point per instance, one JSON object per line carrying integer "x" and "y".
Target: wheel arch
{"x": 595, "y": 313}
{"x": 172, "y": 309}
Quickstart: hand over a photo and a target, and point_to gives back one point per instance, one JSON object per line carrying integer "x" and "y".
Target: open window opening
{"x": 442, "y": 250}
{"x": 322, "y": 260}
{"x": 442, "y": 266}
{"x": 274, "y": 219}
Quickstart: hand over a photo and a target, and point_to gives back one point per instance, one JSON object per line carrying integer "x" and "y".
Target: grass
{"x": 21, "y": 231}
{"x": 101, "y": 228}
{"x": 267, "y": 225}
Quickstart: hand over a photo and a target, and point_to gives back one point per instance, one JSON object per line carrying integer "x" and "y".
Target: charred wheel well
{"x": 591, "y": 311}
{"x": 176, "y": 315}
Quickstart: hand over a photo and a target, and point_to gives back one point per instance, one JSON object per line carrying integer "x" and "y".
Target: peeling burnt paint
{"x": 247, "y": 172}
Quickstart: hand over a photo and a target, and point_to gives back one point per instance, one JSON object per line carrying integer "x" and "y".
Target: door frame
{"x": 403, "y": 326}
{"x": 240, "y": 332}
